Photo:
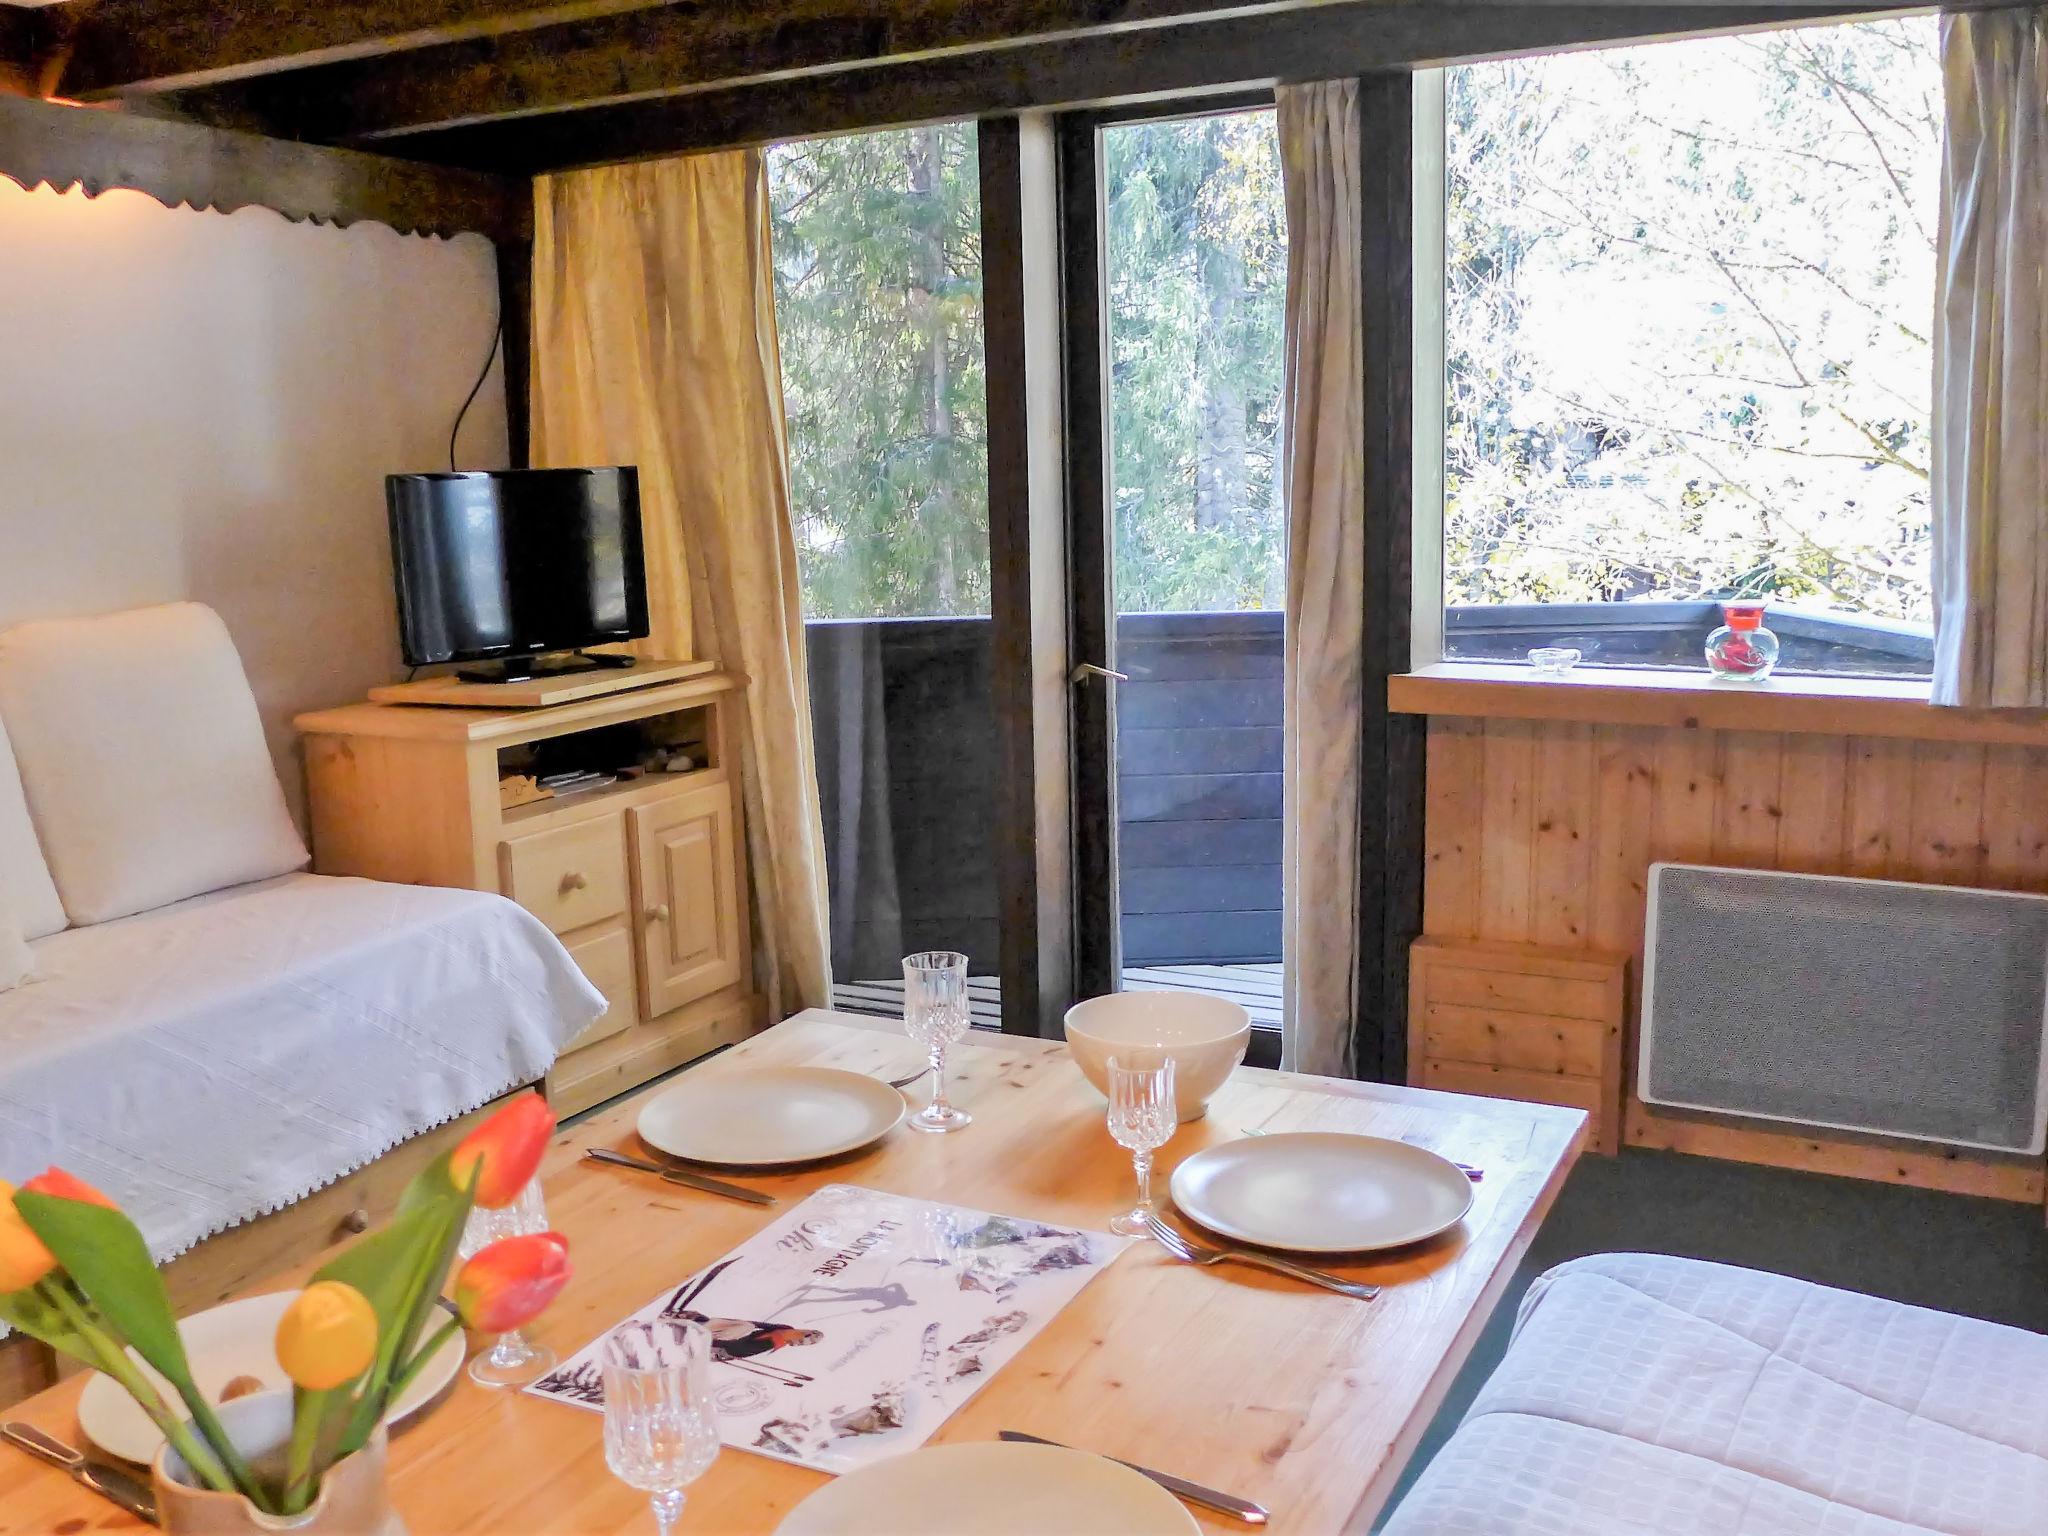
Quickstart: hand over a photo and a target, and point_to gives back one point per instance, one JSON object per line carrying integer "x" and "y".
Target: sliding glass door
{"x": 1183, "y": 768}
{"x": 877, "y": 241}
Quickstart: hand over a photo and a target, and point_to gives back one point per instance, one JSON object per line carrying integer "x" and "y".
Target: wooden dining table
{"x": 1303, "y": 1400}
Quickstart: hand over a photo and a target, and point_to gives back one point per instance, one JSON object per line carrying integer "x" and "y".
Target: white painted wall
{"x": 198, "y": 405}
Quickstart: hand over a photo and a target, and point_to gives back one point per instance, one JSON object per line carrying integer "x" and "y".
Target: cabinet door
{"x": 690, "y": 906}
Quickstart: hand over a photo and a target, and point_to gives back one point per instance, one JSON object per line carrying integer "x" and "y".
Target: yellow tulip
{"x": 23, "y": 1257}
{"x": 327, "y": 1336}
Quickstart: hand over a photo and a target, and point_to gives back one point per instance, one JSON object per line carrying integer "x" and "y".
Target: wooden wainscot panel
{"x": 1515, "y": 852}
{"x": 1520, "y": 1021}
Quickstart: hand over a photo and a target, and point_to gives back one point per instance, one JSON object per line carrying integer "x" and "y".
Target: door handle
{"x": 658, "y": 913}
{"x": 1087, "y": 669}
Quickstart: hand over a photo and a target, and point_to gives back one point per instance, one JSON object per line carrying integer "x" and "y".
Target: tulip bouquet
{"x": 75, "y": 1273}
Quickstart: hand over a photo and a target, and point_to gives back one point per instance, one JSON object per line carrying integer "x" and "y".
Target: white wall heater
{"x": 1918, "y": 1011}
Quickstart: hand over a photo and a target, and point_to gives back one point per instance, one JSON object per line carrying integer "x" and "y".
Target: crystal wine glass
{"x": 660, "y": 1427}
{"x": 514, "y": 1359}
{"x": 935, "y": 1015}
{"x": 1143, "y": 1118}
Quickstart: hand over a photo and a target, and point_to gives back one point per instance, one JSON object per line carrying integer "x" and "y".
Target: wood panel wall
{"x": 1543, "y": 832}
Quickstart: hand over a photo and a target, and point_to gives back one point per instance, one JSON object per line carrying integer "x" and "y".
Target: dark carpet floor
{"x": 1982, "y": 1258}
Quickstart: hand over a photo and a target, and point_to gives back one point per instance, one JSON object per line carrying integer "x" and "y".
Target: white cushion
{"x": 25, "y": 882}
{"x": 143, "y": 759}
{"x": 17, "y": 960}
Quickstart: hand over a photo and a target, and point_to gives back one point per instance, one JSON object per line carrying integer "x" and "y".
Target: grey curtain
{"x": 1990, "y": 422}
{"x": 1323, "y": 451}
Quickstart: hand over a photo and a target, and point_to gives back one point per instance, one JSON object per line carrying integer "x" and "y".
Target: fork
{"x": 1192, "y": 1252}
{"x": 905, "y": 1082}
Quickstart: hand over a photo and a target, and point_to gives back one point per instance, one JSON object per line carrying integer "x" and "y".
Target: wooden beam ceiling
{"x": 671, "y": 50}
{"x": 120, "y": 47}
{"x": 49, "y": 144}
{"x": 1334, "y": 38}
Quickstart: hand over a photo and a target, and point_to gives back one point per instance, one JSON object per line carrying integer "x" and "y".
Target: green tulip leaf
{"x": 102, "y": 1250}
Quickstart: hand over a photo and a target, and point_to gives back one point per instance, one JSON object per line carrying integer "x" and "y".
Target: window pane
{"x": 1197, "y": 277}
{"x": 1689, "y": 295}
{"x": 878, "y": 303}
{"x": 877, "y": 246}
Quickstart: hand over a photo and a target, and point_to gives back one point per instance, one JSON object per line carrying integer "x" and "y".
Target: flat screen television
{"x": 505, "y": 566}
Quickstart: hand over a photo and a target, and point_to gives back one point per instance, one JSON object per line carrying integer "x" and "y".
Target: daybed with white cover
{"x": 206, "y": 1032}
{"x": 1651, "y": 1396}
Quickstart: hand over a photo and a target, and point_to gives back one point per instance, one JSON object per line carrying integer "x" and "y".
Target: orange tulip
{"x": 502, "y": 1154}
{"x": 327, "y": 1336}
{"x": 23, "y": 1257}
{"x": 510, "y": 1283}
{"x": 65, "y": 1186}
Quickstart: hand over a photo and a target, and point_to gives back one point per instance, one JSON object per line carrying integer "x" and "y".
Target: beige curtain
{"x": 1990, "y": 427}
{"x": 1323, "y": 451}
{"x": 654, "y": 344}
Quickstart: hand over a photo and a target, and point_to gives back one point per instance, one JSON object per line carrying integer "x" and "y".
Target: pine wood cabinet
{"x": 645, "y": 880}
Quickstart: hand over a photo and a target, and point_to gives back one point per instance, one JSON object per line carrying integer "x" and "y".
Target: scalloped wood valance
{"x": 182, "y": 164}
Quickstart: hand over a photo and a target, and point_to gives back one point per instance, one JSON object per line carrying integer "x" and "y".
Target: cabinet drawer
{"x": 1519, "y": 992}
{"x": 1531, "y": 1042}
{"x": 606, "y": 958}
{"x": 1531, "y": 1087}
{"x": 568, "y": 877}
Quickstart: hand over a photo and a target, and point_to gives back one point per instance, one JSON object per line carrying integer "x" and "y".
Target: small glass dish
{"x": 1553, "y": 660}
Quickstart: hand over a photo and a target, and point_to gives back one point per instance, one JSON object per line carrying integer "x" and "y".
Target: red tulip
{"x": 65, "y": 1186}
{"x": 510, "y": 1283}
{"x": 502, "y": 1154}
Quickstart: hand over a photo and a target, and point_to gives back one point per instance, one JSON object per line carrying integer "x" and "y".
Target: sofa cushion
{"x": 25, "y": 882}
{"x": 143, "y": 759}
{"x": 1651, "y": 1396}
{"x": 17, "y": 960}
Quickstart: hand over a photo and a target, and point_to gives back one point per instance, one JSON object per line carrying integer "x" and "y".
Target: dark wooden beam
{"x": 1391, "y": 747}
{"x": 667, "y": 51}
{"x": 43, "y": 143}
{"x": 124, "y": 46}
{"x": 1091, "y": 624}
{"x": 515, "y": 342}
{"x": 1316, "y": 43}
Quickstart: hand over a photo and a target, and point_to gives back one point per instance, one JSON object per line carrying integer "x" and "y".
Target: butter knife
{"x": 111, "y": 1483}
{"x": 678, "y": 1176}
{"x": 1179, "y": 1487}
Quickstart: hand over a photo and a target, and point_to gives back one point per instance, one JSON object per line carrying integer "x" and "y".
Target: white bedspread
{"x": 220, "y": 1058}
{"x": 1649, "y": 1396}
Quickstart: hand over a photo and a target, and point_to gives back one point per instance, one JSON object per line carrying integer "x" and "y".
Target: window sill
{"x": 1826, "y": 706}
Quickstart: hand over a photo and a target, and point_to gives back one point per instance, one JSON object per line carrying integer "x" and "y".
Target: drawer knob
{"x": 658, "y": 913}
{"x": 575, "y": 880}
{"x": 357, "y": 1220}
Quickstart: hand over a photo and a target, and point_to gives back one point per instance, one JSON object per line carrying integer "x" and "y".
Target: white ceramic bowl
{"x": 1205, "y": 1036}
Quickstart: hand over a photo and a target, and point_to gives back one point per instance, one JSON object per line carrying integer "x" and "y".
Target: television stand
{"x": 525, "y": 669}
{"x": 600, "y": 675}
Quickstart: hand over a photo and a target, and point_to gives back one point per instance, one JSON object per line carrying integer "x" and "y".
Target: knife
{"x": 678, "y": 1176}
{"x": 108, "y": 1482}
{"x": 1179, "y": 1487}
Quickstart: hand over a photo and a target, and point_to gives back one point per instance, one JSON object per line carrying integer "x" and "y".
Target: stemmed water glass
{"x": 660, "y": 1426}
{"x": 514, "y": 1359}
{"x": 1143, "y": 1118}
{"x": 935, "y": 1015}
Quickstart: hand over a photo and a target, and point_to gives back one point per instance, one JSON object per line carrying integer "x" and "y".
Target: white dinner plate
{"x": 990, "y": 1488}
{"x": 768, "y": 1116}
{"x": 1322, "y": 1192}
{"x": 235, "y": 1339}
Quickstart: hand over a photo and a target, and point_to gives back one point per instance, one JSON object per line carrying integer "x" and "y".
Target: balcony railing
{"x": 905, "y": 725}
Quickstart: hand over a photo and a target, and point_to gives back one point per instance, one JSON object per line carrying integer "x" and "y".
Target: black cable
{"x": 497, "y": 333}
